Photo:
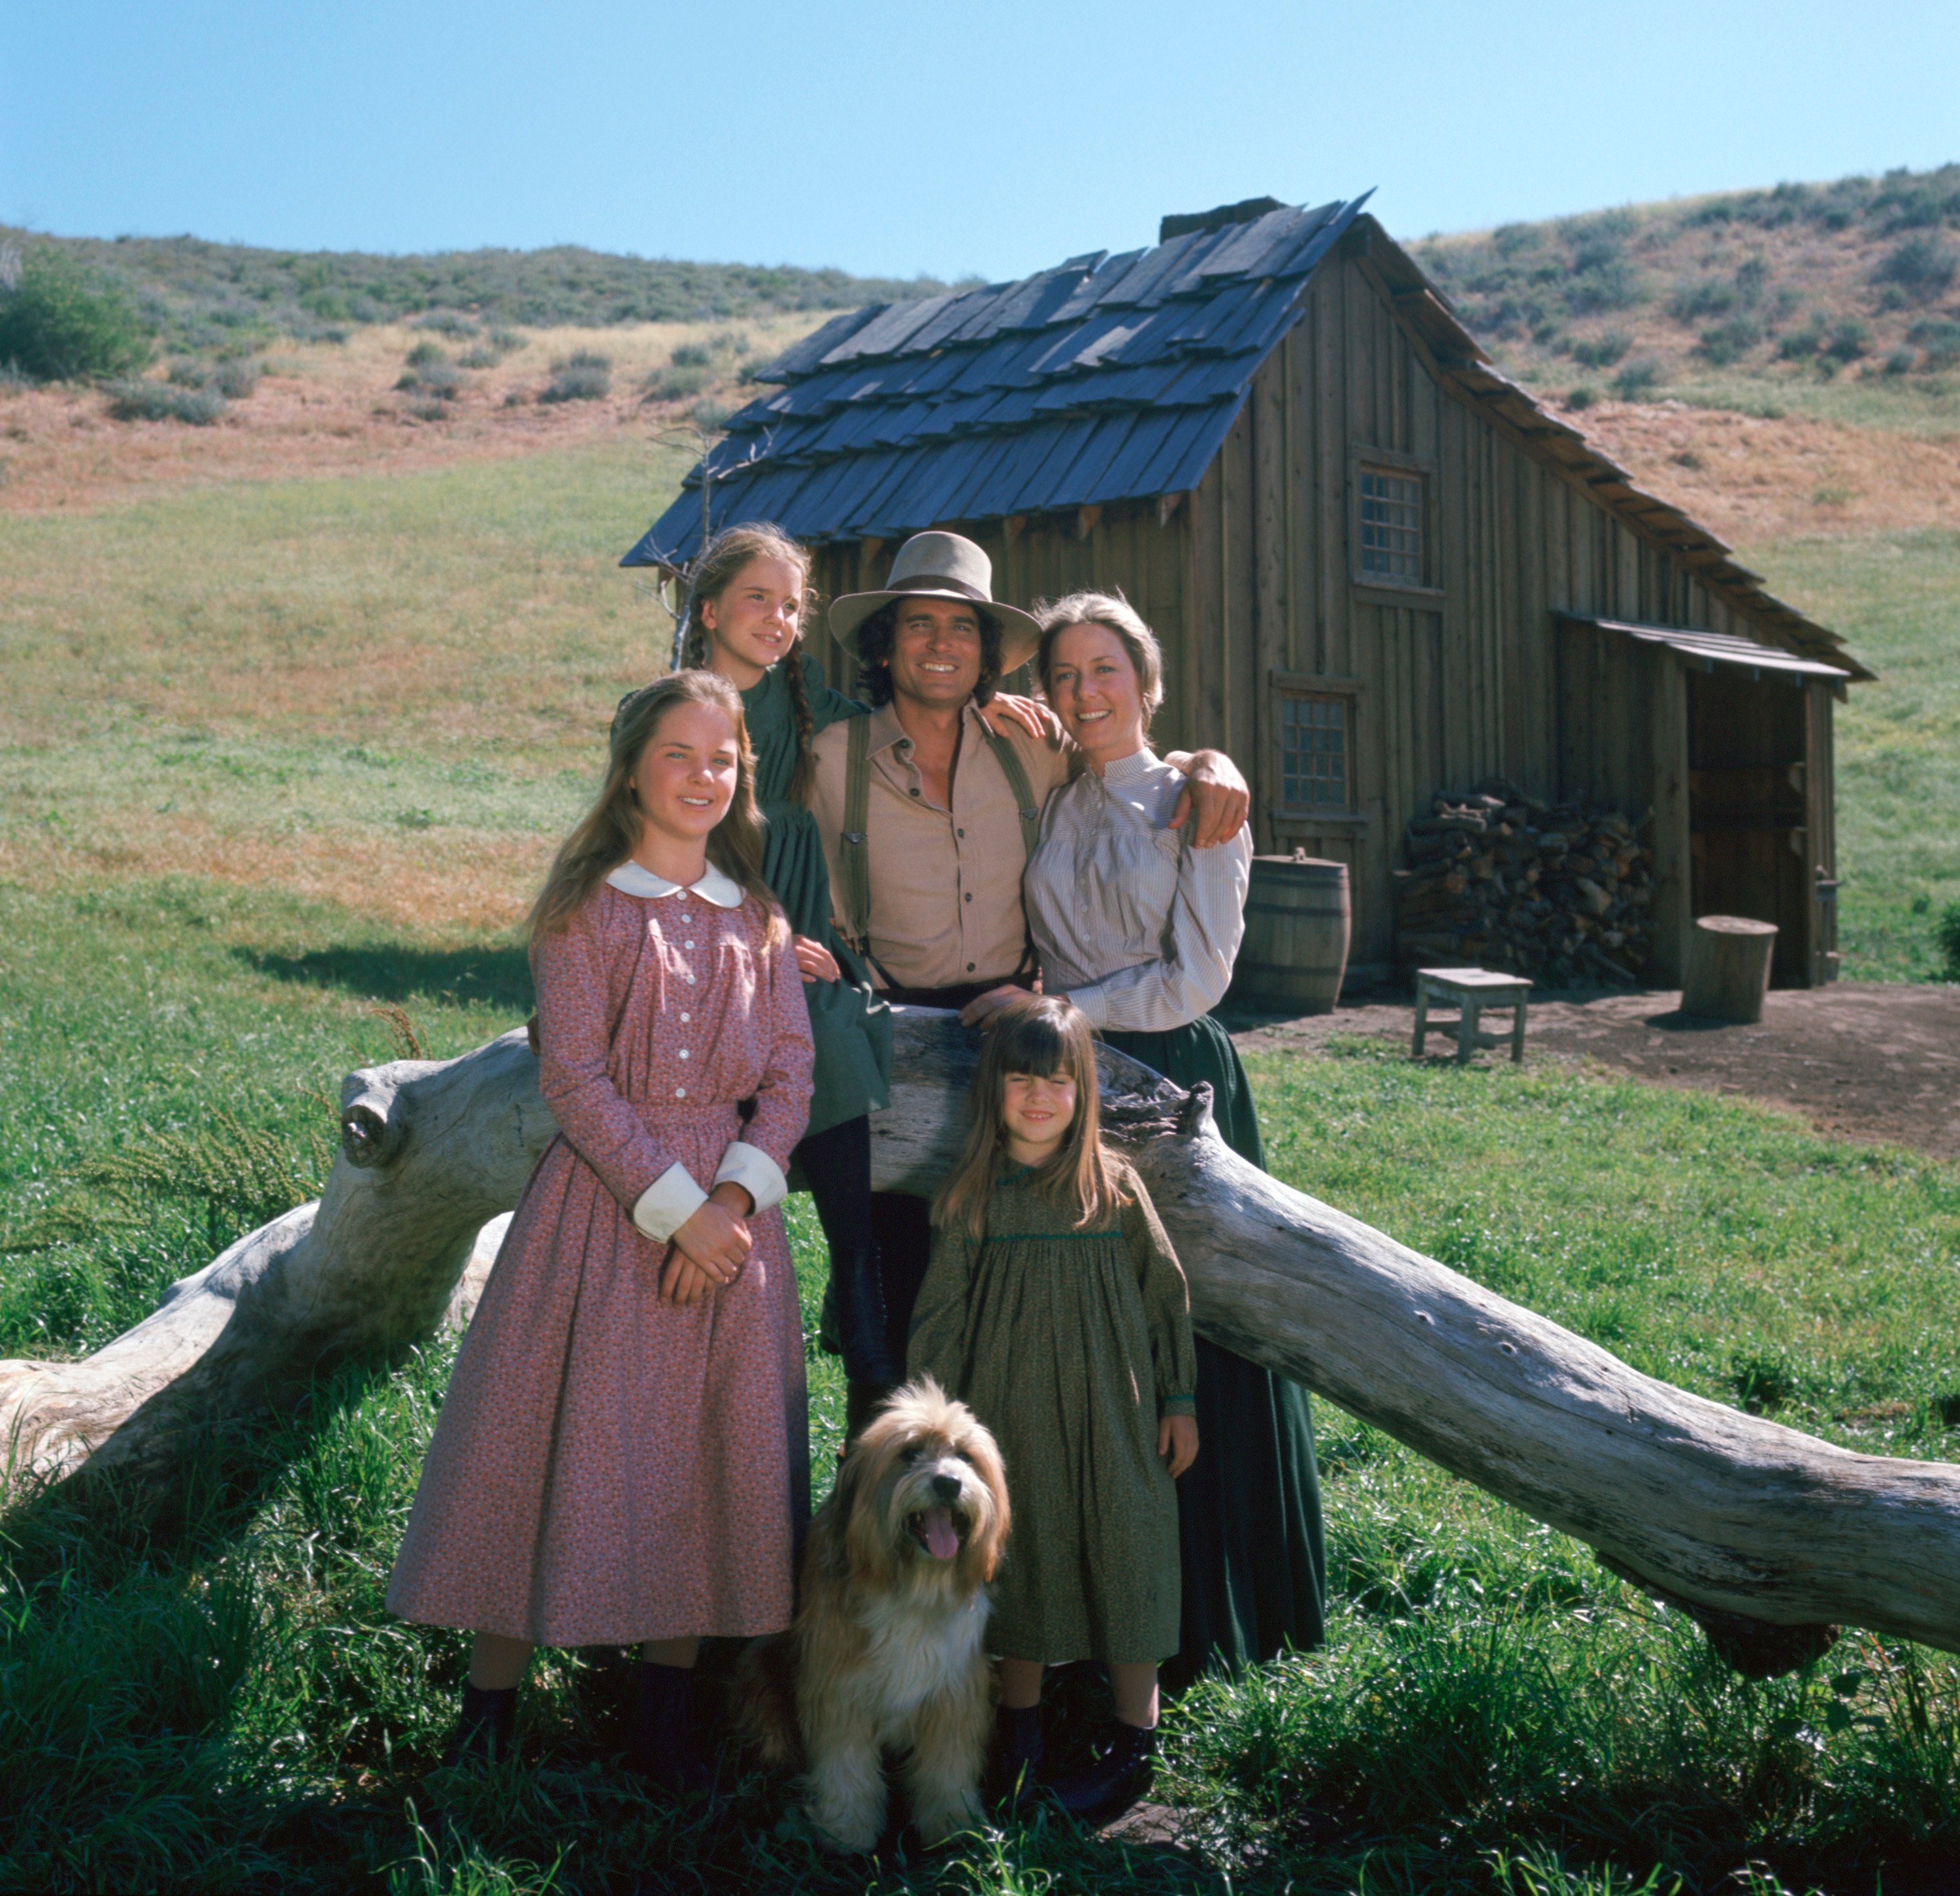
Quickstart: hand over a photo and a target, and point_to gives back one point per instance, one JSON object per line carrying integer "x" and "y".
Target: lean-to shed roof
{"x": 1105, "y": 379}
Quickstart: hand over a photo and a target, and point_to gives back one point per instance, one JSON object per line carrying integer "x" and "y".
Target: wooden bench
{"x": 1472, "y": 990}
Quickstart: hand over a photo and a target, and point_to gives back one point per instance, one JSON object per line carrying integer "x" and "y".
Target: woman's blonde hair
{"x": 610, "y": 831}
{"x": 718, "y": 565}
{"x": 1115, "y": 612}
{"x": 1043, "y": 1035}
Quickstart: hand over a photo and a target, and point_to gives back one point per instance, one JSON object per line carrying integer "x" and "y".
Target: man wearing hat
{"x": 929, "y": 811}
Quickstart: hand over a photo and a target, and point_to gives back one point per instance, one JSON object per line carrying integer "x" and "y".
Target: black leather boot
{"x": 485, "y": 1728}
{"x": 1013, "y": 1764}
{"x": 1102, "y": 1791}
{"x": 667, "y": 1750}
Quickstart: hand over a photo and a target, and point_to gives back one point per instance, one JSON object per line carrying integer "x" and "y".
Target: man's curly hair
{"x": 880, "y": 633}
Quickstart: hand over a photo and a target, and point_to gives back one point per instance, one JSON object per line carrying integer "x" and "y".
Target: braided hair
{"x": 719, "y": 563}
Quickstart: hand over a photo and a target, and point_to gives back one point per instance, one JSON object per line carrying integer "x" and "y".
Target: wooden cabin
{"x": 1380, "y": 571}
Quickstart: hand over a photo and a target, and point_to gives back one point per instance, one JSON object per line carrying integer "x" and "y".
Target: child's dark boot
{"x": 1014, "y": 1764}
{"x": 667, "y": 1748}
{"x": 1102, "y": 1791}
{"x": 485, "y": 1729}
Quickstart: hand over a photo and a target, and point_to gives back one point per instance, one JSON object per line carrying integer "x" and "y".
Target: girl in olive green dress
{"x": 1055, "y": 1307}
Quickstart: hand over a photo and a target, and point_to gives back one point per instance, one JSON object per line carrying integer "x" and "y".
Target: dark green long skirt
{"x": 1255, "y": 1561}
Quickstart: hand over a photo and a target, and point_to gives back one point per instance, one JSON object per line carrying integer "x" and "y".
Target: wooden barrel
{"x": 1297, "y": 924}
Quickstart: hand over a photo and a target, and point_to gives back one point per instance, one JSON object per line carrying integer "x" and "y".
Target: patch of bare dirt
{"x": 1750, "y": 479}
{"x": 1875, "y": 1063}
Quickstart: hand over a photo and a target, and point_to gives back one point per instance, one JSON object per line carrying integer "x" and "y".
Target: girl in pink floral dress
{"x": 620, "y": 1457}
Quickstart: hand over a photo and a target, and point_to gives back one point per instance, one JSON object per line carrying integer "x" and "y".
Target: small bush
{"x": 584, "y": 359}
{"x": 577, "y": 381}
{"x": 674, "y": 384}
{"x": 237, "y": 379}
{"x": 1512, "y": 238}
{"x": 505, "y": 342}
{"x": 1850, "y": 339}
{"x": 1947, "y": 934}
{"x": 1900, "y": 361}
{"x": 1729, "y": 342}
{"x": 1922, "y": 267}
{"x": 691, "y": 355}
{"x": 1695, "y": 302}
{"x": 711, "y": 416}
{"x": 429, "y": 408}
{"x": 1940, "y": 338}
{"x": 59, "y": 322}
{"x": 1636, "y": 381}
{"x": 1602, "y": 351}
{"x": 440, "y": 378}
{"x": 424, "y": 353}
{"x": 445, "y": 323}
{"x": 141, "y": 400}
{"x": 1601, "y": 286}
{"x": 1580, "y": 397}
{"x": 1800, "y": 344}
{"x": 479, "y": 358}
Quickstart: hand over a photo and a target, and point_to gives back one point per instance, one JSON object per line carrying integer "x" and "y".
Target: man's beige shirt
{"x": 946, "y": 885}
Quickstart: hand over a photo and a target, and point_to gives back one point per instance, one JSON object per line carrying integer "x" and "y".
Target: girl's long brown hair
{"x": 1043, "y": 1035}
{"x": 610, "y": 831}
{"x": 718, "y": 565}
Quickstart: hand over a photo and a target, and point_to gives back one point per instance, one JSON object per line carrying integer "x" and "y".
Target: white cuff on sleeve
{"x": 668, "y": 1203}
{"x": 758, "y": 1174}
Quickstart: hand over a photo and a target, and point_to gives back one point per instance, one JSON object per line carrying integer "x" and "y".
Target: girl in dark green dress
{"x": 745, "y": 612}
{"x": 1140, "y": 929}
{"x": 1055, "y": 1307}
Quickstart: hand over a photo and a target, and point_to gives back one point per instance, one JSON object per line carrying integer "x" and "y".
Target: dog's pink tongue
{"x": 940, "y": 1540}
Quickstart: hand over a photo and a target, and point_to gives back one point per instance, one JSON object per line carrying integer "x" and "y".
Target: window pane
{"x": 1391, "y": 525}
{"x": 1313, "y": 752}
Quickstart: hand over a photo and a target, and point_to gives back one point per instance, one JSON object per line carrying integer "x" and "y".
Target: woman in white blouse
{"x": 1140, "y": 929}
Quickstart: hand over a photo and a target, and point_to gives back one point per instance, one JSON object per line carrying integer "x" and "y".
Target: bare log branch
{"x": 1751, "y": 1525}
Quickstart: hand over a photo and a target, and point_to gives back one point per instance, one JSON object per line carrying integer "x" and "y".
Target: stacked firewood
{"x": 1560, "y": 892}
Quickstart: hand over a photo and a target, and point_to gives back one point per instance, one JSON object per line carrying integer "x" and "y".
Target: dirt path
{"x": 1875, "y": 1063}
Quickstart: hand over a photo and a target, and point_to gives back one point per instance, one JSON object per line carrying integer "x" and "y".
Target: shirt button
{"x": 688, "y": 944}
{"x": 680, "y": 1092}
{"x": 969, "y": 967}
{"x": 683, "y": 1019}
{"x": 959, "y": 832}
{"x": 914, "y": 793}
{"x": 683, "y": 1053}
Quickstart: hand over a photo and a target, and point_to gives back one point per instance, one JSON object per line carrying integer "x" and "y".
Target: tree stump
{"x": 1728, "y": 968}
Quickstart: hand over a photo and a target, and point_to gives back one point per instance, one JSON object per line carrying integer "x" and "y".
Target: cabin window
{"x": 1391, "y": 526}
{"x": 1315, "y": 733}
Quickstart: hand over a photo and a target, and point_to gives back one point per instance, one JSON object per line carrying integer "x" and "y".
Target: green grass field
{"x": 269, "y": 755}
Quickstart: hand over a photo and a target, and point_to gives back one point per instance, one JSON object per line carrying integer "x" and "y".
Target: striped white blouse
{"x": 1137, "y": 927}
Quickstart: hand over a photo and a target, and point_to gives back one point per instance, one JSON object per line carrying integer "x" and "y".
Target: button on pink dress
{"x": 606, "y": 1468}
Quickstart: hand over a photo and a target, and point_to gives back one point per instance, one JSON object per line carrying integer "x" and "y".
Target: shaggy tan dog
{"x": 888, "y": 1647}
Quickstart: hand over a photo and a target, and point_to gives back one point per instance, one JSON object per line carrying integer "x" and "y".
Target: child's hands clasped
{"x": 710, "y": 1249}
{"x": 1177, "y": 1443}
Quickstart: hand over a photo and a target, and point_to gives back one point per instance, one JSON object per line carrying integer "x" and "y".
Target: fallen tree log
{"x": 1769, "y": 1534}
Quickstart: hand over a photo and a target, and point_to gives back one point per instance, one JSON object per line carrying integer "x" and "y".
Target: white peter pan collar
{"x": 630, "y": 878}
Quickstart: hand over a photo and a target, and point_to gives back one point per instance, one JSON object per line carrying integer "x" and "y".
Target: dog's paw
{"x": 846, "y": 1839}
{"x": 937, "y": 1820}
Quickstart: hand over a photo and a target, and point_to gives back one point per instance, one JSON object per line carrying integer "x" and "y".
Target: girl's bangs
{"x": 1036, "y": 1042}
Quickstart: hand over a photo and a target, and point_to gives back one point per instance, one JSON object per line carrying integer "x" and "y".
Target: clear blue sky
{"x": 990, "y": 138}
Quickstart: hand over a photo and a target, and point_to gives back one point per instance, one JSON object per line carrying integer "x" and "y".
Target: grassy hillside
{"x": 204, "y": 297}
{"x": 1798, "y": 296}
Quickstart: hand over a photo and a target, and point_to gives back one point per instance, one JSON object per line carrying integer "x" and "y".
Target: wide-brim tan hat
{"x": 942, "y": 566}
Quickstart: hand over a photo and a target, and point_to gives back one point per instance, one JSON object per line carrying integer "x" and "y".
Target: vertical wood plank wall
{"x": 1250, "y": 575}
